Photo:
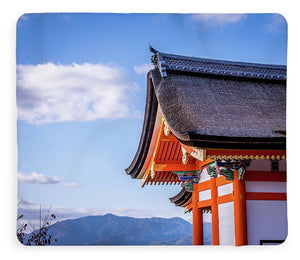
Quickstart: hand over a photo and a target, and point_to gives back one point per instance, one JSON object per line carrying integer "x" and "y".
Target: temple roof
{"x": 215, "y": 104}
{"x": 238, "y": 104}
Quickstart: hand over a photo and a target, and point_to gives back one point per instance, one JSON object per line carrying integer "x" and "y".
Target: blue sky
{"x": 81, "y": 92}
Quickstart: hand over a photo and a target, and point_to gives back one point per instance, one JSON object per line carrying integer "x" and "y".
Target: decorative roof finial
{"x": 152, "y": 49}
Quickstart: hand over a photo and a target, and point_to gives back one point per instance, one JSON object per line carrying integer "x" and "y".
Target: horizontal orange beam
{"x": 265, "y": 176}
{"x": 265, "y": 196}
{"x": 204, "y": 203}
{"x": 202, "y": 186}
{"x": 221, "y": 181}
{"x": 169, "y": 167}
{"x": 225, "y": 198}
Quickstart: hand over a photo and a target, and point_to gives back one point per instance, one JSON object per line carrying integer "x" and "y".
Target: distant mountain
{"x": 116, "y": 230}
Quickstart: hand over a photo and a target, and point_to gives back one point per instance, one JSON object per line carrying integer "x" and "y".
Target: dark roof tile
{"x": 170, "y": 63}
{"x": 231, "y": 101}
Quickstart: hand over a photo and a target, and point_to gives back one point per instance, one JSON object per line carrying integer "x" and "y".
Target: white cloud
{"x": 277, "y": 24}
{"x": 49, "y": 93}
{"x": 218, "y": 19}
{"x": 143, "y": 68}
{"x": 36, "y": 178}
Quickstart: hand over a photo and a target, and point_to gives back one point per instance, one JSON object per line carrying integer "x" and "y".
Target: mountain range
{"x": 119, "y": 230}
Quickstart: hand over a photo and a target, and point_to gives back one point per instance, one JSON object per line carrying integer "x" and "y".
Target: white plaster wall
{"x": 265, "y": 186}
{"x": 265, "y": 165}
{"x": 204, "y": 176}
{"x": 226, "y": 223}
{"x": 266, "y": 220}
{"x": 225, "y": 189}
{"x": 260, "y": 165}
{"x": 204, "y": 195}
{"x": 282, "y": 165}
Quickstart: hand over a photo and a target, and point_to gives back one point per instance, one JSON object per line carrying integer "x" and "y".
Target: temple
{"x": 218, "y": 129}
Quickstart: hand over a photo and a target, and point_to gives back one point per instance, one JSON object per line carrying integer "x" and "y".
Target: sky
{"x": 81, "y": 93}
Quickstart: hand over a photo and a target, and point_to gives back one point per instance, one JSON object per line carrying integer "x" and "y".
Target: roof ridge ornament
{"x": 158, "y": 61}
{"x": 152, "y": 49}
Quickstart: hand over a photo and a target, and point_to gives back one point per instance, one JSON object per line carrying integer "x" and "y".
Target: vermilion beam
{"x": 166, "y": 167}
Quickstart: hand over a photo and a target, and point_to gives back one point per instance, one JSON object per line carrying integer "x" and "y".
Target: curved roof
{"x": 182, "y": 198}
{"x": 215, "y": 104}
{"x": 222, "y": 104}
{"x": 148, "y": 126}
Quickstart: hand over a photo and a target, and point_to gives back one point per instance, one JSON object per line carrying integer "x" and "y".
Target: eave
{"x": 182, "y": 198}
{"x": 149, "y": 121}
{"x": 223, "y": 142}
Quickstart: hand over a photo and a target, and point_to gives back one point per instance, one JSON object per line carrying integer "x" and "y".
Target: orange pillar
{"x": 197, "y": 219}
{"x": 214, "y": 212}
{"x": 240, "y": 217}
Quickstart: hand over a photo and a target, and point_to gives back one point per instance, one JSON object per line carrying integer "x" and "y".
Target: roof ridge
{"x": 171, "y": 62}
